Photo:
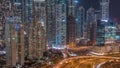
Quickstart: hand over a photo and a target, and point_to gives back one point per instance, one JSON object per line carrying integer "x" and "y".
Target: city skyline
{"x": 59, "y": 34}
{"x": 114, "y": 5}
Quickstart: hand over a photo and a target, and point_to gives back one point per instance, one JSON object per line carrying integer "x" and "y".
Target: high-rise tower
{"x": 71, "y": 32}
{"x": 90, "y": 19}
{"x": 71, "y": 6}
{"x": 14, "y": 34}
{"x": 105, "y": 9}
{"x": 37, "y": 31}
{"x": 50, "y": 22}
{"x": 80, "y": 19}
{"x": 61, "y": 23}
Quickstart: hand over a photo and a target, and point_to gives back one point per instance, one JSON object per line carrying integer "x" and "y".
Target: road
{"x": 99, "y": 65}
{"x": 83, "y": 62}
{"x": 81, "y": 48}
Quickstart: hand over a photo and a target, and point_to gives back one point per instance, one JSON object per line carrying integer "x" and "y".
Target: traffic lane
{"x": 82, "y": 57}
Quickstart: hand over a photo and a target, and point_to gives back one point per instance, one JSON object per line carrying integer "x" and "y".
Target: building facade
{"x": 105, "y": 9}
{"x": 24, "y": 29}
{"x": 110, "y": 33}
{"x": 118, "y": 33}
{"x": 80, "y": 22}
{"x": 71, "y": 7}
{"x": 2, "y": 26}
{"x": 37, "y": 39}
{"x": 71, "y": 32}
{"x": 90, "y": 19}
{"x": 61, "y": 21}
{"x": 14, "y": 34}
{"x": 100, "y": 34}
{"x": 106, "y": 33}
{"x": 50, "y": 22}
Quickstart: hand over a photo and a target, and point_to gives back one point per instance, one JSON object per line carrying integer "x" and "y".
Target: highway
{"x": 99, "y": 65}
{"x": 84, "y": 62}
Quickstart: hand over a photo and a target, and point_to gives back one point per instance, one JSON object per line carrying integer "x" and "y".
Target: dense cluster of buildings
{"x": 68, "y": 24}
{"x": 22, "y": 31}
{"x": 29, "y": 27}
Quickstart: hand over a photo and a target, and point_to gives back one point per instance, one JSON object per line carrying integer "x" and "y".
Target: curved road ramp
{"x": 85, "y": 62}
{"x": 110, "y": 64}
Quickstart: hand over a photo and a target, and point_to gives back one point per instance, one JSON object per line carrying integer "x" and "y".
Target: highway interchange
{"x": 84, "y": 62}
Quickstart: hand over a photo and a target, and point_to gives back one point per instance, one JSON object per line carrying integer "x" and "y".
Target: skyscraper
{"x": 2, "y": 26}
{"x": 90, "y": 19}
{"x": 71, "y": 32}
{"x": 14, "y": 34}
{"x": 37, "y": 40}
{"x": 27, "y": 19}
{"x": 110, "y": 32}
{"x": 100, "y": 34}
{"x": 80, "y": 20}
{"x": 50, "y": 22}
{"x": 106, "y": 33}
{"x": 71, "y": 7}
{"x": 105, "y": 9}
{"x": 61, "y": 23}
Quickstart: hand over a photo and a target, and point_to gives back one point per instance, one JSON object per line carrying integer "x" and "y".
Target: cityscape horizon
{"x": 59, "y": 34}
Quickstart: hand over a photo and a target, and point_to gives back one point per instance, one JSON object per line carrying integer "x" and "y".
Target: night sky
{"x": 114, "y": 6}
